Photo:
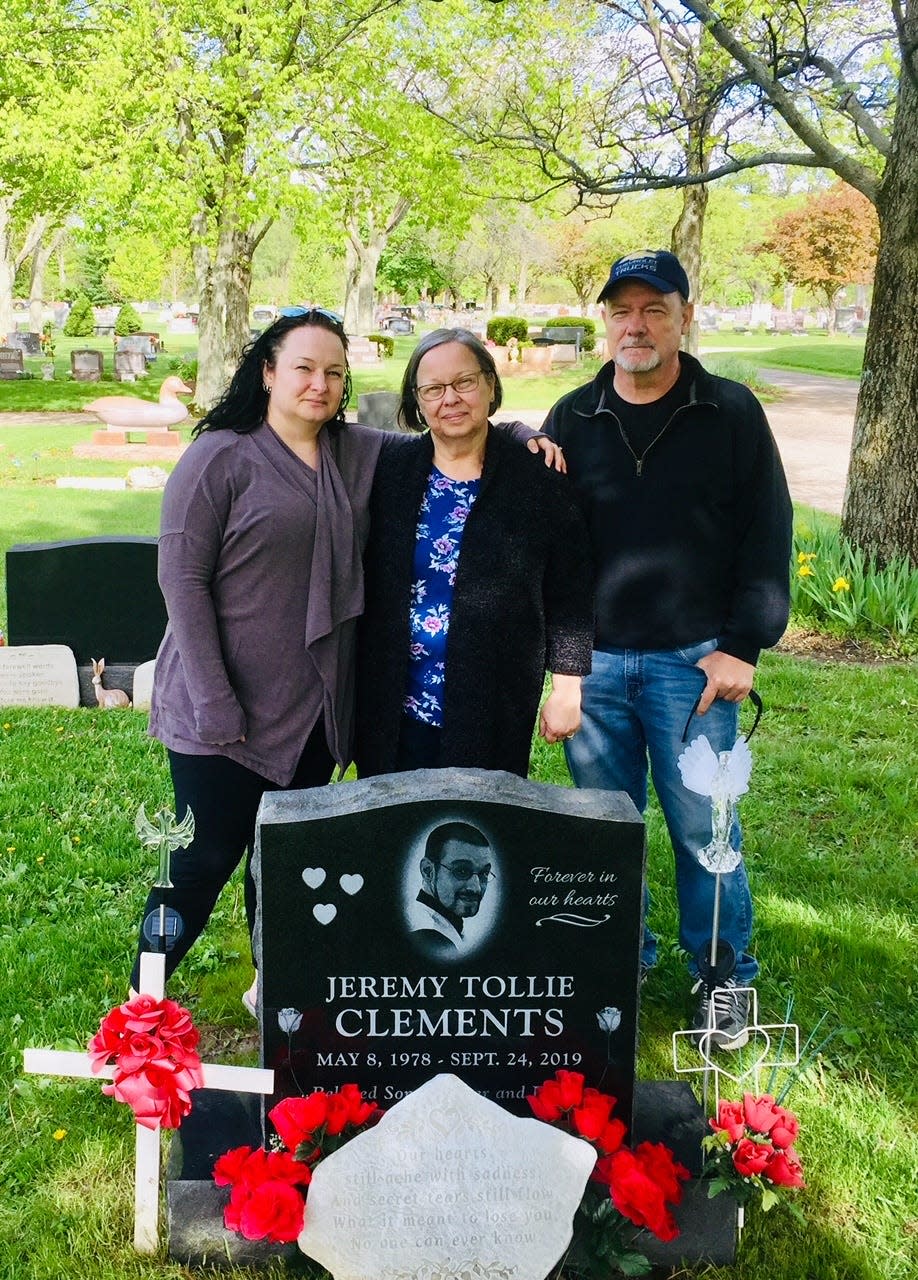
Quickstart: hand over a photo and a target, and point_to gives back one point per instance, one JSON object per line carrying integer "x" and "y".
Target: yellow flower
{"x": 804, "y": 557}
{"x": 841, "y": 584}
{"x": 7, "y": 725}
{"x": 76, "y": 839}
{"x": 58, "y": 728}
{"x": 40, "y": 859}
{"x": 805, "y": 571}
{"x": 59, "y": 1135}
{"x": 11, "y": 848}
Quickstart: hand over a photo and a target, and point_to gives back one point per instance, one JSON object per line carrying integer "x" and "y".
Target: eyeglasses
{"x": 463, "y": 385}
{"x": 465, "y": 871}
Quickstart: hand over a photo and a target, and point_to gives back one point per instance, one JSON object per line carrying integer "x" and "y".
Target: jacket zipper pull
{"x": 639, "y": 465}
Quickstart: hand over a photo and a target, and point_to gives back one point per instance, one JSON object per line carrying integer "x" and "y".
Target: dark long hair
{"x": 244, "y": 403}
{"x": 408, "y": 407}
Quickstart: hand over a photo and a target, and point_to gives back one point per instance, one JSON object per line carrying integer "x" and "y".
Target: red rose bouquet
{"x": 752, "y": 1151}
{"x": 268, "y": 1188}
{"x": 627, "y": 1186}
{"x": 153, "y": 1045}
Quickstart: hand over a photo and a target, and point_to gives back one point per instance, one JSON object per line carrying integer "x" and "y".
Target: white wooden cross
{"x": 147, "y": 1141}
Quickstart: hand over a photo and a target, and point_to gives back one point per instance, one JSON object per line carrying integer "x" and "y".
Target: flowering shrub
{"x": 268, "y": 1188}
{"x": 752, "y": 1148}
{"x": 833, "y": 584}
{"x": 153, "y": 1045}
{"x": 636, "y": 1187}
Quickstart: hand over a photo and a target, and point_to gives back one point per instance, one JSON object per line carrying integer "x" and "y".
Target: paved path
{"x": 812, "y": 423}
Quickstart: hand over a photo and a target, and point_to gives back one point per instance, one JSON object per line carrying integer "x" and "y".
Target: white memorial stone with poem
{"x": 38, "y": 675}
{"x": 447, "y": 1183}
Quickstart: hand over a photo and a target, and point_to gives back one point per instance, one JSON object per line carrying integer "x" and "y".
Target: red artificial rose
{"x": 750, "y": 1158}
{"x": 784, "y": 1169}
{"x": 730, "y": 1120}
{"x": 661, "y": 1165}
{"x": 281, "y": 1166}
{"x": 271, "y": 1211}
{"x": 297, "y": 1119}
{"x": 786, "y": 1129}
{"x": 760, "y": 1112}
{"x": 345, "y": 1107}
{"x": 229, "y": 1169}
{"x": 612, "y": 1137}
{"x": 638, "y": 1196}
{"x": 591, "y": 1115}
{"x": 553, "y": 1097}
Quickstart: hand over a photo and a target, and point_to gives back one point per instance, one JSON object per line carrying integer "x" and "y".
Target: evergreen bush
{"x": 127, "y": 321}
{"x": 81, "y": 322}
{"x": 500, "y": 328}
{"x": 385, "y": 344}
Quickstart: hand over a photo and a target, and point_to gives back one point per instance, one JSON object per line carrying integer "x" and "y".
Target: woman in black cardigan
{"x": 478, "y": 581}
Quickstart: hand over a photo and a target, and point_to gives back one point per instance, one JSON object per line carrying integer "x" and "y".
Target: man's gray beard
{"x": 639, "y": 364}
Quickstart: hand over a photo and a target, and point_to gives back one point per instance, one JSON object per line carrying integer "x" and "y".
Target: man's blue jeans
{"x": 635, "y": 706}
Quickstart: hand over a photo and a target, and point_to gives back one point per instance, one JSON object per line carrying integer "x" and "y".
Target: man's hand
{"x": 554, "y": 454}
{"x": 728, "y": 678}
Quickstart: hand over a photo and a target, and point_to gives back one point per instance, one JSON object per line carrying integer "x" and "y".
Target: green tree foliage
{"x": 127, "y": 320}
{"x": 81, "y": 321}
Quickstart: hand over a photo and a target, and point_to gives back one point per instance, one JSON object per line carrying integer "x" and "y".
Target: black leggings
{"x": 224, "y": 798}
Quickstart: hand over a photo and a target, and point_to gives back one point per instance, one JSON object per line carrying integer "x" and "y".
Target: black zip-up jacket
{"x": 691, "y": 540}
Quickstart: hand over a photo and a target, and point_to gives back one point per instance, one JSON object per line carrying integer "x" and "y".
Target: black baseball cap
{"x": 657, "y": 267}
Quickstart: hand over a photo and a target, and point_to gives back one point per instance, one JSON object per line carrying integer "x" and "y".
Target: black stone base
{"x": 664, "y": 1111}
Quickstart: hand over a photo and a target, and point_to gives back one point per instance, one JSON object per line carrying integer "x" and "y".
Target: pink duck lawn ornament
{"x": 130, "y": 413}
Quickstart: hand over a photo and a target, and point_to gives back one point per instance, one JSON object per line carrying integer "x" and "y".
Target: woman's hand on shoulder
{"x": 553, "y": 453}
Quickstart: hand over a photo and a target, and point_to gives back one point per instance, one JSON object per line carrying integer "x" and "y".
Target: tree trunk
{"x": 503, "y": 298}
{"x": 41, "y": 255}
{"x": 522, "y": 283}
{"x": 7, "y": 268}
{"x": 881, "y": 500}
{"x": 351, "y": 278}
{"x": 686, "y": 245}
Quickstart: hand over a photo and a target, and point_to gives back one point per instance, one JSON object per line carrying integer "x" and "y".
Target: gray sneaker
{"x": 726, "y": 1024}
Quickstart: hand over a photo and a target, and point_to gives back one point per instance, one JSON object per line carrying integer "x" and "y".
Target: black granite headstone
{"x": 30, "y": 343}
{"x": 12, "y": 364}
{"x": 363, "y": 982}
{"x": 100, "y": 596}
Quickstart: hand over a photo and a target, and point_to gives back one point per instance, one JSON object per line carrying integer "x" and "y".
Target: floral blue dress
{"x": 441, "y": 522}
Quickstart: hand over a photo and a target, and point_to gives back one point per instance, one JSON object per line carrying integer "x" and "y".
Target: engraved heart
{"x": 314, "y": 876}
{"x": 351, "y": 883}
{"x": 325, "y": 912}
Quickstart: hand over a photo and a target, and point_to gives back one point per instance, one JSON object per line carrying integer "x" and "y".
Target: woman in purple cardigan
{"x": 264, "y": 521}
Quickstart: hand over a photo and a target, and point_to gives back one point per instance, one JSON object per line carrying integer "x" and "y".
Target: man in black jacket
{"x": 690, "y": 524}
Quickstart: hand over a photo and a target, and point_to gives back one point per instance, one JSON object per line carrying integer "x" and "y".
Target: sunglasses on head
{"x": 291, "y": 313}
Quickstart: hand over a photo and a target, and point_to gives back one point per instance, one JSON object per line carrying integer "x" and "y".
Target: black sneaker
{"x": 726, "y": 1024}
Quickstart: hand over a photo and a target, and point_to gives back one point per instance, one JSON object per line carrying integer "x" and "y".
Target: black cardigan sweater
{"x": 522, "y": 605}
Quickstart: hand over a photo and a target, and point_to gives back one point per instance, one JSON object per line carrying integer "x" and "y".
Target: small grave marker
{"x": 87, "y": 365}
{"x": 129, "y": 366}
{"x": 11, "y": 362}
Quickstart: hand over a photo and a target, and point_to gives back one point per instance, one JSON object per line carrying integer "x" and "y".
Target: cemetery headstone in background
{"x": 545, "y": 976}
{"x": 379, "y": 409}
{"x": 30, "y": 343}
{"x": 129, "y": 366}
{"x": 98, "y": 596}
{"x": 12, "y": 364}
{"x": 87, "y": 365}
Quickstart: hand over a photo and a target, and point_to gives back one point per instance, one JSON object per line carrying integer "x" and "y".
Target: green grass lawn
{"x": 830, "y": 836}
